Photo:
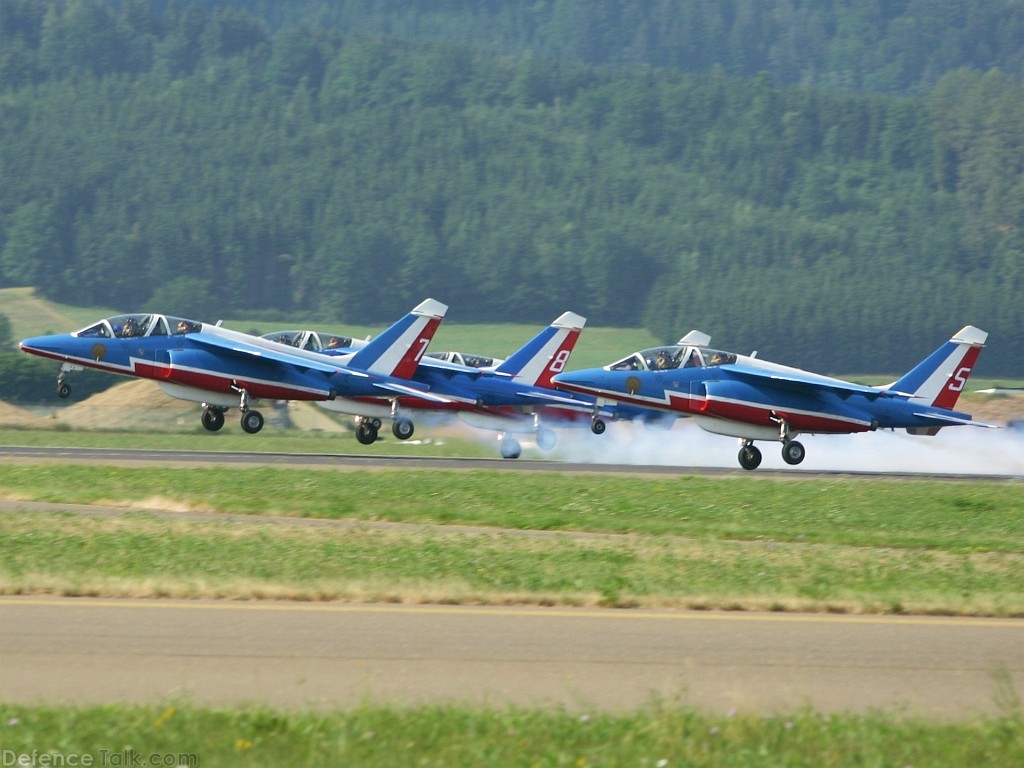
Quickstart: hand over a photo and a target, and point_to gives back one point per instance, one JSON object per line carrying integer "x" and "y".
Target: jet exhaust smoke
{"x": 954, "y": 451}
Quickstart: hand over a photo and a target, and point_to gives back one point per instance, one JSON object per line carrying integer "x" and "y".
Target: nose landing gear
{"x": 63, "y": 388}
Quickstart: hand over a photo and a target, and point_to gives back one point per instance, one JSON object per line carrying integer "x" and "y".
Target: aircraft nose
{"x": 47, "y": 346}
{"x": 571, "y": 379}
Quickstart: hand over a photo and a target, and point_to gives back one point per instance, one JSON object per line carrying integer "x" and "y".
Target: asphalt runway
{"x": 336, "y": 655}
{"x": 143, "y": 457}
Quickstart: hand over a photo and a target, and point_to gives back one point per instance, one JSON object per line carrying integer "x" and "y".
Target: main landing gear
{"x": 792, "y": 452}
{"x": 368, "y": 429}
{"x": 511, "y": 449}
{"x": 750, "y": 456}
{"x": 212, "y": 417}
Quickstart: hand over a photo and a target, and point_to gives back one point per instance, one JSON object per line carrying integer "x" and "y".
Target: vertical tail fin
{"x": 546, "y": 353}
{"x": 397, "y": 350}
{"x": 940, "y": 378}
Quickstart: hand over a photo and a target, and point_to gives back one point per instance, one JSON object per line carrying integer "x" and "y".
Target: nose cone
{"x": 575, "y": 380}
{"x": 47, "y": 346}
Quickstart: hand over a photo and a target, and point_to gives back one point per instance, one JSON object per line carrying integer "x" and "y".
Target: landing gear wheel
{"x": 366, "y": 433}
{"x": 402, "y": 429}
{"x": 510, "y": 448}
{"x": 546, "y": 439}
{"x": 750, "y": 457}
{"x": 597, "y": 426}
{"x": 63, "y": 391}
{"x": 793, "y": 452}
{"x": 252, "y": 422}
{"x": 376, "y": 424}
{"x": 212, "y": 419}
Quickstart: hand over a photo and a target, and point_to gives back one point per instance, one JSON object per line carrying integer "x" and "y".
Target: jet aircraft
{"x": 221, "y": 368}
{"x": 514, "y": 396}
{"x": 753, "y": 399}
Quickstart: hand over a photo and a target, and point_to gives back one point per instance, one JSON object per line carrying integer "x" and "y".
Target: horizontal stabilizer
{"x": 955, "y": 421}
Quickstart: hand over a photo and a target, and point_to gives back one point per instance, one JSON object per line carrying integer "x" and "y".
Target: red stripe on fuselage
{"x": 768, "y": 417}
{"x": 678, "y": 402}
{"x": 230, "y": 384}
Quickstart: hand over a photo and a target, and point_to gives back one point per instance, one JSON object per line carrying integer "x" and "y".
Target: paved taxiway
{"x": 310, "y": 654}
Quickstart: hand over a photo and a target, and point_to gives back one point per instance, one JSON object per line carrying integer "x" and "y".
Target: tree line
{"x": 199, "y": 161}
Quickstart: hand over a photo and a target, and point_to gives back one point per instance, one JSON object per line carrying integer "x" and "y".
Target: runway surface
{"x": 143, "y": 457}
{"x": 335, "y": 655}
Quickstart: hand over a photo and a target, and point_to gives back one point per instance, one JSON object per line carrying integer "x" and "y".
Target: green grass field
{"x": 864, "y": 545}
{"x": 659, "y": 736}
{"x": 740, "y": 543}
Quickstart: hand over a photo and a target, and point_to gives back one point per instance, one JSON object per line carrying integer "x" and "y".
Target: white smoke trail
{"x": 957, "y": 450}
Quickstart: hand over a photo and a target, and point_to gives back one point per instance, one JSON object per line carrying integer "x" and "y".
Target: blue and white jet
{"x": 512, "y": 396}
{"x": 753, "y": 399}
{"x": 221, "y": 368}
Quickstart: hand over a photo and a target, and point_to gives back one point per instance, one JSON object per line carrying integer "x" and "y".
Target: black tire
{"x": 793, "y": 452}
{"x": 750, "y": 457}
{"x": 212, "y": 419}
{"x": 510, "y": 448}
{"x": 402, "y": 429}
{"x": 597, "y": 426}
{"x": 63, "y": 391}
{"x": 546, "y": 439}
{"x": 252, "y": 422}
{"x": 366, "y": 433}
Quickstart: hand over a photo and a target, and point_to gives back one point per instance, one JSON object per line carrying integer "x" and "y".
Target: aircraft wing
{"x": 806, "y": 385}
{"x": 250, "y": 351}
{"x": 554, "y": 397}
{"x": 404, "y": 389}
{"x": 445, "y": 367}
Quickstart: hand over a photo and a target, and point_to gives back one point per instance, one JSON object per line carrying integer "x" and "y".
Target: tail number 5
{"x": 959, "y": 379}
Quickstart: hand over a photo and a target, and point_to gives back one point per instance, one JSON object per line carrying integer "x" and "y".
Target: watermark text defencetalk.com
{"x": 125, "y": 758}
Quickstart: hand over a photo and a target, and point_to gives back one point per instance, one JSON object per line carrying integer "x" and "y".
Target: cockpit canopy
{"x": 139, "y": 324}
{"x": 667, "y": 358}
{"x": 467, "y": 360}
{"x": 311, "y": 340}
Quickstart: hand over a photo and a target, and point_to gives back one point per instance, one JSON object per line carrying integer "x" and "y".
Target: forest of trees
{"x": 347, "y": 159}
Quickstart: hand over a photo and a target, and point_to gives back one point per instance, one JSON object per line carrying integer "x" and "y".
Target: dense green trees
{"x": 201, "y": 161}
{"x": 876, "y": 45}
